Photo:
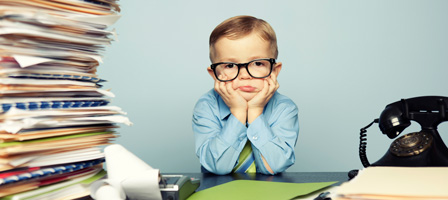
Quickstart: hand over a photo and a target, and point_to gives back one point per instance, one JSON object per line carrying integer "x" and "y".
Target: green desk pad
{"x": 251, "y": 189}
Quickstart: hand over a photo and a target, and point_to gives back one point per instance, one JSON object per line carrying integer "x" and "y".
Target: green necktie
{"x": 246, "y": 161}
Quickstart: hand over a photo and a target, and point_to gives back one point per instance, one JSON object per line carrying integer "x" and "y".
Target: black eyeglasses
{"x": 258, "y": 68}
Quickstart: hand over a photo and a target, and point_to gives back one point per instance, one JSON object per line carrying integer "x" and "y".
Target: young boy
{"x": 244, "y": 125}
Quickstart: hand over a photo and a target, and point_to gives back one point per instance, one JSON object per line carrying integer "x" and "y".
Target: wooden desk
{"x": 210, "y": 180}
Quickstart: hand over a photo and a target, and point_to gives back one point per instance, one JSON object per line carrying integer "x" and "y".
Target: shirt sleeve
{"x": 217, "y": 144}
{"x": 275, "y": 138}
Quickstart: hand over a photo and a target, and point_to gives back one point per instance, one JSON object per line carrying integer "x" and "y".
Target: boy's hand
{"x": 236, "y": 103}
{"x": 256, "y": 105}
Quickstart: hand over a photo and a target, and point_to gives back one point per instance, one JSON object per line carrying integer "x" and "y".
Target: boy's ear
{"x": 210, "y": 71}
{"x": 277, "y": 68}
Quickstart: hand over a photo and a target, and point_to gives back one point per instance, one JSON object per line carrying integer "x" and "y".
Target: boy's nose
{"x": 244, "y": 74}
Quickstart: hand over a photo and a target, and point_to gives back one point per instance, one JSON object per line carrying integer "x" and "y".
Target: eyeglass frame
{"x": 239, "y": 65}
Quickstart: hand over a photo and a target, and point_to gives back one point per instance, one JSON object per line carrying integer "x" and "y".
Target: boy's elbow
{"x": 218, "y": 170}
{"x": 280, "y": 167}
{"x": 216, "y": 167}
{"x": 224, "y": 172}
{"x": 271, "y": 171}
{"x": 285, "y": 166}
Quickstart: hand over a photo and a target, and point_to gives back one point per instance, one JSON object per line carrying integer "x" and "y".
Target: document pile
{"x": 54, "y": 116}
{"x": 400, "y": 183}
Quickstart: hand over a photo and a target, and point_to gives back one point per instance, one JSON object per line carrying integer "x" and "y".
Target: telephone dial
{"x": 424, "y": 148}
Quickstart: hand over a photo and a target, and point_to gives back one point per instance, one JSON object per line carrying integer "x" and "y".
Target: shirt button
{"x": 254, "y": 137}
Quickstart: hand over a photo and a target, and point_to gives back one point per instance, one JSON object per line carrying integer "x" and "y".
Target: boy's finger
{"x": 223, "y": 88}
{"x": 224, "y": 84}
{"x": 276, "y": 84}
{"x": 217, "y": 89}
{"x": 217, "y": 82}
{"x": 271, "y": 86}
{"x": 274, "y": 78}
{"x": 265, "y": 89}
{"x": 229, "y": 88}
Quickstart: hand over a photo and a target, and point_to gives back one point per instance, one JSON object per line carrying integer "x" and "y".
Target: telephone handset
{"x": 424, "y": 148}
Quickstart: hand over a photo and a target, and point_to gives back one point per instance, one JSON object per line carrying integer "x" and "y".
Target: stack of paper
{"x": 54, "y": 116}
{"x": 400, "y": 183}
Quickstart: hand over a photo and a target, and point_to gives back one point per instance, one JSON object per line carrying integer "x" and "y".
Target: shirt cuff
{"x": 234, "y": 133}
{"x": 259, "y": 132}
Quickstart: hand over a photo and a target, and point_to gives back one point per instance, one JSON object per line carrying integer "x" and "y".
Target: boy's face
{"x": 243, "y": 50}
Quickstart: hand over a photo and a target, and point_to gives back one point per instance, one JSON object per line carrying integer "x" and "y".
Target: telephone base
{"x": 178, "y": 187}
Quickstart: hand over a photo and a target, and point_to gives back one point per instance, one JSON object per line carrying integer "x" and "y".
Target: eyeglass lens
{"x": 256, "y": 69}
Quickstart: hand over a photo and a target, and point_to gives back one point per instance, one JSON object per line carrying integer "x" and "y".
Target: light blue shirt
{"x": 220, "y": 137}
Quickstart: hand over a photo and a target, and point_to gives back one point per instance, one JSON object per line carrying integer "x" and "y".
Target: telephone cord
{"x": 363, "y": 144}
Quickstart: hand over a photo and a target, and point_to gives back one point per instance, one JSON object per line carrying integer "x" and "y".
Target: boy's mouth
{"x": 247, "y": 88}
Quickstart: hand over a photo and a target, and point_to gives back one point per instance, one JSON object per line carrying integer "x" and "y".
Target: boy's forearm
{"x": 218, "y": 148}
{"x": 274, "y": 146}
{"x": 222, "y": 164}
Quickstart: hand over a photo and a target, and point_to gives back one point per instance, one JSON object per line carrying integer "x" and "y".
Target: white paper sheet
{"x": 128, "y": 175}
{"x": 398, "y": 183}
{"x": 17, "y": 81}
{"x": 144, "y": 186}
{"x": 14, "y": 126}
{"x": 26, "y": 61}
{"x": 107, "y": 192}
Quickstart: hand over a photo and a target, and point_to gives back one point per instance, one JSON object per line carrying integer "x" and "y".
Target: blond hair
{"x": 240, "y": 26}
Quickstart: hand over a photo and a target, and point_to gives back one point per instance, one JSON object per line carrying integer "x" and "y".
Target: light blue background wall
{"x": 343, "y": 62}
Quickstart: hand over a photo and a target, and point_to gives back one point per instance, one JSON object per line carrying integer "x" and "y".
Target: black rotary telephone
{"x": 424, "y": 148}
